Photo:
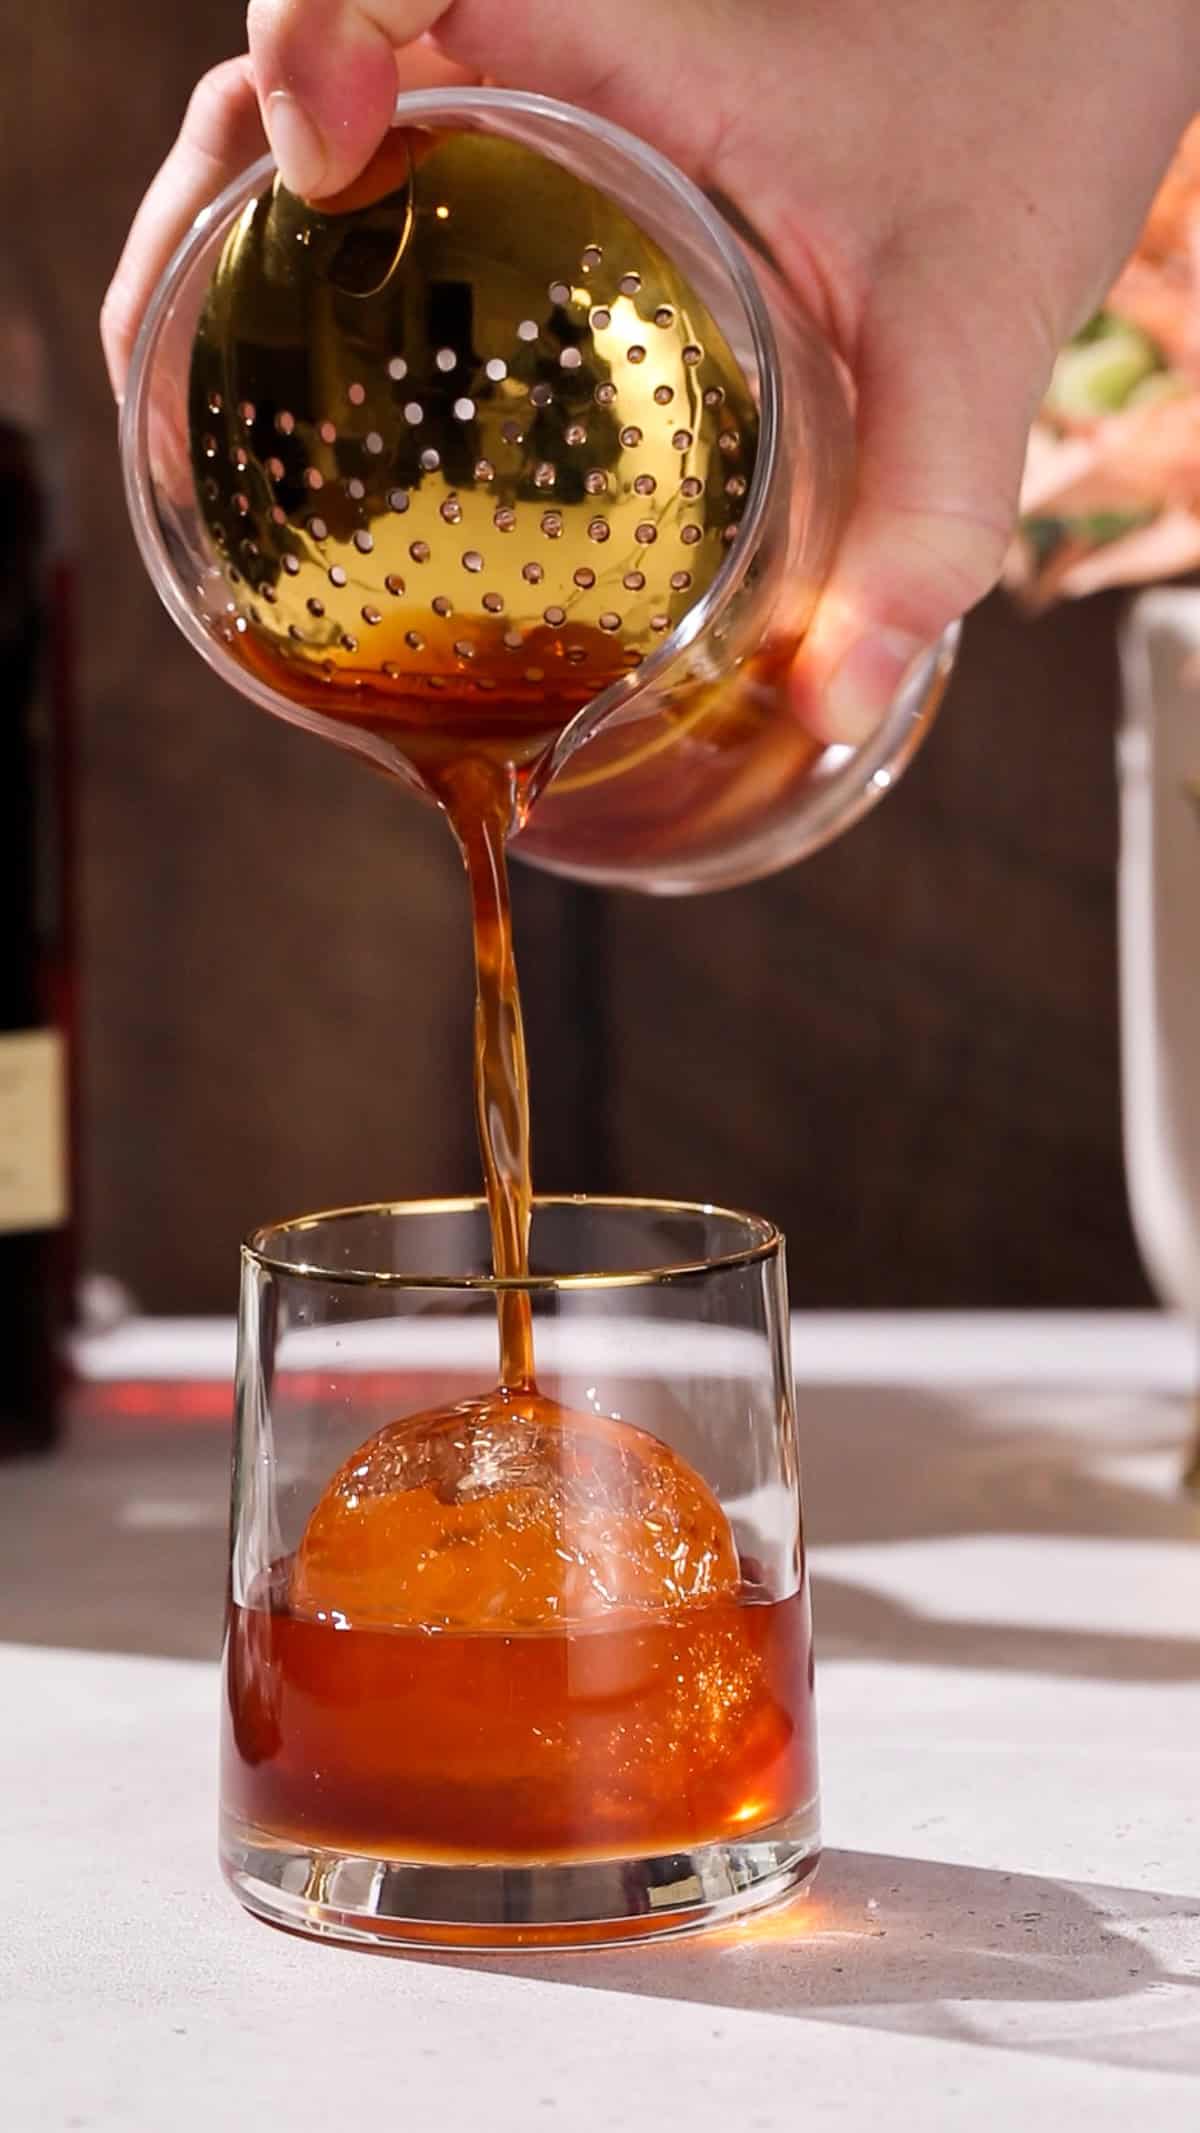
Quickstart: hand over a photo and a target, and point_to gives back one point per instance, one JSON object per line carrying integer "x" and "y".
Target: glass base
{"x": 397, "y": 1904}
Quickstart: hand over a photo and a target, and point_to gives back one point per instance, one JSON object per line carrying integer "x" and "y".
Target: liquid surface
{"x": 671, "y": 1730}
{"x": 511, "y": 1513}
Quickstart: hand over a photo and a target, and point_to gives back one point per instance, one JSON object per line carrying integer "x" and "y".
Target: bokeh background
{"x": 905, "y": 1050}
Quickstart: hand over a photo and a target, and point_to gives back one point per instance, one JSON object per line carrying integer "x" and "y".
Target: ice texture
{"x": 509, "y": 1512}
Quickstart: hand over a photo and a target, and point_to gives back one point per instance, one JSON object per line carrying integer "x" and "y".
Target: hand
{"x": 950, "y": 189}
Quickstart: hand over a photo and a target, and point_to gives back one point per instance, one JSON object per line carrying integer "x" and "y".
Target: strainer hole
{"x": 637, "y": 353}
{"x": 532, "y": 573}
{"x": 595, "y": 481}
{"x": 337, "y": 575}
{"x": 413, "y": 413}
{"x": 327, "y": 432}
{"x": 504, "y": 518}
{"x": 318, "y": 529}
{"x": 690, "y": 534}
{"x": 535, "y": 673}
{"x": 693, "y": 354}
{"x": 419, "y": 551}
{"x": 598, "y": 529}
{"x": 414, "y": 641}
{"x": 363, "y": 541}
{"x": 544, "y": 476}
{"x": 314, "y": 478}
{"x": 397, "y": 368}
{"x": 430, "y": 460}
{"x": 493, "y": 603}
{"x": 570, "y": 359}
{"x": 610, "y": 621}
{"x": 682, "y": 441}
{"x": 634, "y": 581}
{"x": 729, "y": 440}
{"x": 552, "y": 524}
{"x": 451, "y": 510}
{"x": 393, "y": 584}
{"x": 513, "y": 640}
{"x": 275, "y": 469}
{"x": 445, "y": 359}
{"x": 714, "y": 395}
{"x": 527, "y": 330}
{"x": 659, "y": 623}
{"x": 355, "y": 488}
{"x": 575, "y": 433}
{"x": 441, "y": 606}
{"x": 463, "y": 648}
{"x": 511, "y": 432}
{"x": 631, "y": 436}
{"x": 373, "y": 442}
{"x": 590, "y": 257}
{"x": 495, "y": 368}
{"x": 576, "y": 654}
{"x": 559, "y": 293}
{"x": 356, "y": 394}
{"x": 464, "y": 409}
{"x": 645, "y": 485}
{"x": 484, "y": 470}
{"x": 736, "y": 485}
{"x": 680, "y": 580}
{"x": 371, "y": 615}
{"x": 555, "y": 616}
{"x": 605, "y": 393}
{"x": 664, "y": 316}
{"x": 285, "y": 422}
{"x": 691, "y": 486}
{"x": 215, "y": 403}
{"x": 629, "y": 284}
{"x": 585, "y": 578}
{"x": 664, "y": 394}
{"x": 645, "y": 533}
{"x": 291, "y": 564}
{"x": 472, "y": 560}
{"x": 541, "y": 395}
{"x": 600, "y": 319}
{"x": 397, "y": 499}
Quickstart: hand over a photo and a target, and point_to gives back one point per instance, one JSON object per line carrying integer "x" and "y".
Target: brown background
{"x": 905, "y": 1049}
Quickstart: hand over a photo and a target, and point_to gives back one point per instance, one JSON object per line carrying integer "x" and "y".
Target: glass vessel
{"x": 544, "y": 1677}
{"x": 691, "y": 771}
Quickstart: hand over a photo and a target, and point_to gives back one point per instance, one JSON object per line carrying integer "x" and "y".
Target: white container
{"x": 1159, "y": 769}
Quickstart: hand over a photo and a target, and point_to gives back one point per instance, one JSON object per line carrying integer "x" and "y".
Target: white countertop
{"x": 1006, "y": 1927}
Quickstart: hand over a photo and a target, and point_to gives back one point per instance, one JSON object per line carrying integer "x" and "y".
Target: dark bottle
{"x": 36, "y": 1258}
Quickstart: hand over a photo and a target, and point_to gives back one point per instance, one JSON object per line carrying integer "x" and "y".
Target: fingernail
{"x": 862, "y": 689}
{"x": 296, "y": 143}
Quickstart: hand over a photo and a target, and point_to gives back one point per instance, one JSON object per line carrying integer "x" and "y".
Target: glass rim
{"x": 766, "y": 1241}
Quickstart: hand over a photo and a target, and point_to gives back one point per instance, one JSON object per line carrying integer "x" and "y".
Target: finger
{"x": 323, "y": 70}
{"x": 221, "y": 133}
{"x": 326, "y": 74}
{"x": 946, "y": 402}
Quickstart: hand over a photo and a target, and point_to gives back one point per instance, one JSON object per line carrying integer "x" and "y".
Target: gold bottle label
{"x": 33, "y": 1138}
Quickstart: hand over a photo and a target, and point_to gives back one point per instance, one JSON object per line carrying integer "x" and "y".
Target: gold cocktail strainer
{"x": 467, "y": 444}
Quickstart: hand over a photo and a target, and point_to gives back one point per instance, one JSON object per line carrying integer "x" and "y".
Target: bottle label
{"x": 33, "y": 1136}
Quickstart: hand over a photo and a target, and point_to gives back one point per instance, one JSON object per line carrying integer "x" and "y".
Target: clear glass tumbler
{"x": 512, "y": 1669}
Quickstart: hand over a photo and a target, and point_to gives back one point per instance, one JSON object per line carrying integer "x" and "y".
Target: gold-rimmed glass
{"x": 631, "y": 1751}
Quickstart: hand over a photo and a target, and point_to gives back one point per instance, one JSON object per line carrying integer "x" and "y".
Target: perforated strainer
{"x": 472, "y": 438}
{"x": 515, "y": 444}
